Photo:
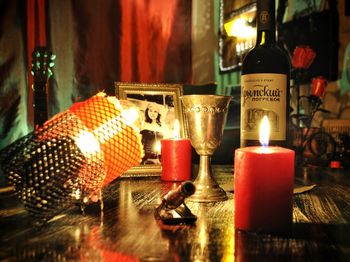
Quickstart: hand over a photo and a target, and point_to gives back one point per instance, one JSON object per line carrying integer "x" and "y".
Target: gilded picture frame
{"x": 159, "y": 107}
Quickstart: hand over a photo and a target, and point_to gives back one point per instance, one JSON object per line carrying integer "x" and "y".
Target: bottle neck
{"x": 265, "y": 22}
{"x": 265, "y": 37}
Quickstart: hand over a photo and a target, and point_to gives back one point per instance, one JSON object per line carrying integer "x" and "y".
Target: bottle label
{"x": 263, "y": 94}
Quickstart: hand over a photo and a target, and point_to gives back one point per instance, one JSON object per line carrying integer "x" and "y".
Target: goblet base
{"x": 208, "y": 194}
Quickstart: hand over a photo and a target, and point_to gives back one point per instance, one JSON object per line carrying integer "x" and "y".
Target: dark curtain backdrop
{"x": 13, "y": 72}
{"x": 96, "y": 44}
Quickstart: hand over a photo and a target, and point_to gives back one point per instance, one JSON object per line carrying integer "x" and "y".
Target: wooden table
{"x": 126, "y": 230}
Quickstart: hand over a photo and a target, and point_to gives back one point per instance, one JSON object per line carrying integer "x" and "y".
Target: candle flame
{"x": 264, "y": 132}
{"x": 176, "y": 129}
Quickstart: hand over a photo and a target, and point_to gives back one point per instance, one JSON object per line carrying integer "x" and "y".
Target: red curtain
{"x": 96, "y": 43}
{"x": 150, "y": 44}
{"x": 125, "y": 40}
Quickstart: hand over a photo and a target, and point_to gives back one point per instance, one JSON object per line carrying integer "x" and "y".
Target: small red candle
{"x": 176, "y": 158}
{"x": 318, "y": 86}
{"x": 263, "y": 181}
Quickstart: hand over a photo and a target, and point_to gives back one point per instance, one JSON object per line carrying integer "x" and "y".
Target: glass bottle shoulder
{"x": 266, "y": 58}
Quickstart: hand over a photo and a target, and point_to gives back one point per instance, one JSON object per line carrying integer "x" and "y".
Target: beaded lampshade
{"x": 73, "y": 155}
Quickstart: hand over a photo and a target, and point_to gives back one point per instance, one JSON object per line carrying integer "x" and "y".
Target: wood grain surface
{"x": 126, "y": 230}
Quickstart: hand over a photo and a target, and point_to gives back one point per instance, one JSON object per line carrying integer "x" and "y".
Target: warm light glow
{"x": 87, "y": 143}
{"x": 112, "y": 127}
{"x": 130, "y": 116}
{"x": 176, "y": 129}
{"x": 202, "y": 239}
{"x": 77, "y": 194}
{"x": 264, "y": 132}
{"x": 157, "y": 147}
{"x": 239, "y": 28}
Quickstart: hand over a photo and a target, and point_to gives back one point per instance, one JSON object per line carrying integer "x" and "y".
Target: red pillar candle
{"x": 263, "y": 181}
{"x": 176, "y": 159}
{"x": 264, "y": 189}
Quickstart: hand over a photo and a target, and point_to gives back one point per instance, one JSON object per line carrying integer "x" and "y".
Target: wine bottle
{"x": 265, "y": 82}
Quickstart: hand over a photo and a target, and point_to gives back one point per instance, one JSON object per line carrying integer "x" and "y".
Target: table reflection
{"x": 126, "y": 229}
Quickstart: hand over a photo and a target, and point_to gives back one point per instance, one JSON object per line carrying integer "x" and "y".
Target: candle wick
{"x": 265, "y": 147}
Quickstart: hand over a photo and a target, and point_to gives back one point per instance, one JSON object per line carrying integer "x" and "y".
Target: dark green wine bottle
{"x": 265, "y": 83}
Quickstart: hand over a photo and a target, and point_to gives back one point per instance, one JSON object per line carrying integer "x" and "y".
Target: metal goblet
{"x": 205, "y": 117}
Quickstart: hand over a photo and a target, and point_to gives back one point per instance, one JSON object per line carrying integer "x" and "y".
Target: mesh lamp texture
{"x": 73, "y": 155}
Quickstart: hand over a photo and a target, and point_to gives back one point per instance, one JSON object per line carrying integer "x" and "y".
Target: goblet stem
{"x": 207, "y": 189}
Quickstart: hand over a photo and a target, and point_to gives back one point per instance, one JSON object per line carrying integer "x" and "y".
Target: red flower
{"x": 318, "y": 86}
{"x": 303, "y": 56}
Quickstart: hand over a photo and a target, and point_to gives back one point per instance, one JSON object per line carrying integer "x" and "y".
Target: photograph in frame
{"x": 159, "y": 106}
